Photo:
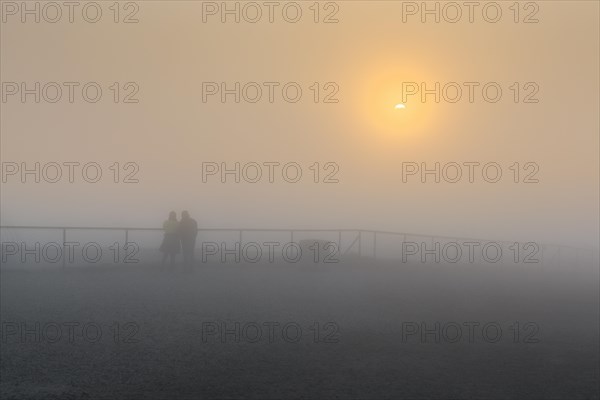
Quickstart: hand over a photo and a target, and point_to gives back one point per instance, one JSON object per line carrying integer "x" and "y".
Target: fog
{"x": 170, "y": 58}
{"x": 386, "y": 199}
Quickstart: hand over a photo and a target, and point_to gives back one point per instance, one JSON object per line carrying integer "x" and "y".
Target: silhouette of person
{"x": 188, "y": 230}
{"x": 170, "y": 245}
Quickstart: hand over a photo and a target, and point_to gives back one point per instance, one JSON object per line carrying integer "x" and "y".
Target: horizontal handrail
{"x": 118, "y": 228}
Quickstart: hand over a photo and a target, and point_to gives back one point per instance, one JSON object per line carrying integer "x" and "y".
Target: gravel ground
{"x": 349, "y": 330}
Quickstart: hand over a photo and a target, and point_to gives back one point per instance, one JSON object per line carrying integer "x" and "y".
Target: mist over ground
{"x": 299, "y": 200}
{"x": 356, "y": 329}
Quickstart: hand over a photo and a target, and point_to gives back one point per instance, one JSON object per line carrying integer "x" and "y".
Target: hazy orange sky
{"x": 368, "y": 54}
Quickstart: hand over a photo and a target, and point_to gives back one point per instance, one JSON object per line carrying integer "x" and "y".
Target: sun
{"x": 385, "y": 109}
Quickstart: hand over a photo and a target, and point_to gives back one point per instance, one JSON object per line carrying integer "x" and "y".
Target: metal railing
{"x": 357, "y": 241}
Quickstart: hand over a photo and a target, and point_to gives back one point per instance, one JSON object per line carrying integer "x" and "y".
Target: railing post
{"x": 64, "y": 258}
{"x": 241, "y": 238}
{"x": 340, "y": 241}
{"x": 292, "y": 236}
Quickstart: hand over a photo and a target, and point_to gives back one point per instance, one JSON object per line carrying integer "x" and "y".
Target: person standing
{"x": 188, "y": 230}
{"x": 170, "y": 245}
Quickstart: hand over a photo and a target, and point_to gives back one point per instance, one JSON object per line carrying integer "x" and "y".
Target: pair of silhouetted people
{"x": 179, "y": 236}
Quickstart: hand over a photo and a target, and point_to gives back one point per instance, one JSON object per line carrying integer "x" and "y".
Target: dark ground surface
{"x": 163, "y": 354}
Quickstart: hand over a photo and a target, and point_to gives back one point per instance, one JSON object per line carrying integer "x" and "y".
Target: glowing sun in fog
{"x": 400, "y": 106}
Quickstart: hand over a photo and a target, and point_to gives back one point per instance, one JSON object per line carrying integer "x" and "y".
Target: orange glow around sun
{"x": 384, "y": 109}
